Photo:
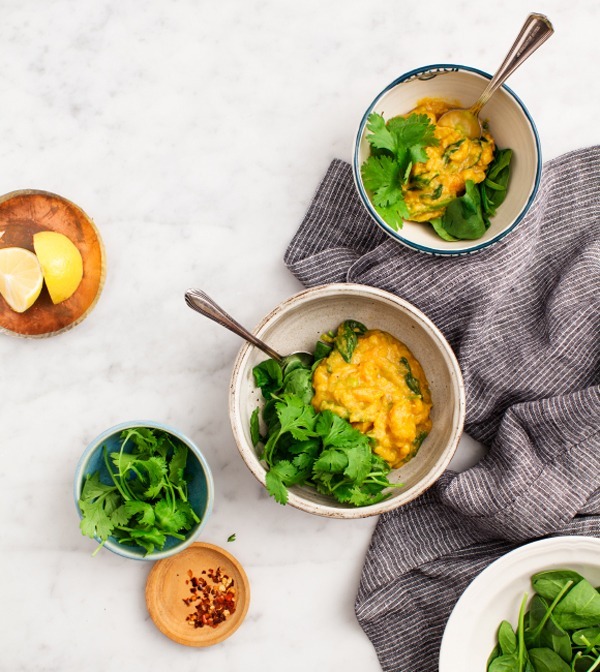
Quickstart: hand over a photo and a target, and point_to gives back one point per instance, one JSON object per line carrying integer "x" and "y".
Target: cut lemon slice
{"x": 21, "y": 278}
{"x": 61, "y": 263}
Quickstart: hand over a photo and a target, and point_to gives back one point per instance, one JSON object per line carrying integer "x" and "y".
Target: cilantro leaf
{"x": 380, "y": 136}
{"x": 95, "y": 521}
{"x": 275, "y": 486}
{"x": 359, "y": 459}
{"x": 120, "y": 516}
{"x": 296, "y": 417}
{"x": 334, "y": 430}
{"x": 177, "y": 464}
{"x": 93, "y": 487}
{"x": 190, "y": 515}
{"x": 381, "y": 176}
{"x": 332, "y": 461}
{"x": 414, "y": 132}
{"x": 149, "y": 538}
{"x": 143, "y": 510}
{"x": 168, "y": 517}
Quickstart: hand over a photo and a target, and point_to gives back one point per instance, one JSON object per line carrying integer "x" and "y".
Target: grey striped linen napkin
{"x": 523, "y": 318}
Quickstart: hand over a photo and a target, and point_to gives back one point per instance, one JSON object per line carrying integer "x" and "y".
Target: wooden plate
{"x": 24, "y": 213}
{"x": 169, "y": 584}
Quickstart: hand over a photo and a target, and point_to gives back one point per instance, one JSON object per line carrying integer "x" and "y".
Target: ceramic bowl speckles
{"x": 297, "y": 324}
{"x": 510, "y": 124}
{"x": 197, "y": 473}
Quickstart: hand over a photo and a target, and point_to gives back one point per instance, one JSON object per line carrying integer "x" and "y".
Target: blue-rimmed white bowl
{"x": 197, "y": 474}
{"x": 510, "y": 124}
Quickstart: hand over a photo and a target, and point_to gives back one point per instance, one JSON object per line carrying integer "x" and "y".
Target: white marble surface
{"x": 194, "y": 133}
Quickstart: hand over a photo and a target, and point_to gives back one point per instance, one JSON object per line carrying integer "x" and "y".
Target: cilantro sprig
{"x": 396, "y": 146}
{"x": 145, "y": 499}
{"x": 303, "y": 447}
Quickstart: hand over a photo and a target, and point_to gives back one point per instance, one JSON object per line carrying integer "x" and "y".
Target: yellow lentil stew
{"x": 454, "y": 160}
{"x": 382, "y": 391}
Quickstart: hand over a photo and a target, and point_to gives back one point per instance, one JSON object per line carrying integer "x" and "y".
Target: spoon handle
{"x": 535, "y": 31}
{"x": 199, "y": 301}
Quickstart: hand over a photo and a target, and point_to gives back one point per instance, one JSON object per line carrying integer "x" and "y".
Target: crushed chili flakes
{"x": 213, "y": 595}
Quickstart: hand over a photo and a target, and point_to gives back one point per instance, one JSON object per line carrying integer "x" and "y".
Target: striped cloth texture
{"x": 523, "y": 318}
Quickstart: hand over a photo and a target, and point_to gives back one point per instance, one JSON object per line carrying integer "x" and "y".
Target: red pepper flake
{"x": 213, "y": 598}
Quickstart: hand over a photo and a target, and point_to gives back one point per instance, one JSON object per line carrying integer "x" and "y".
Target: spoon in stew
{"x": 535, "y": 31}
{"x": 199, "y": 301}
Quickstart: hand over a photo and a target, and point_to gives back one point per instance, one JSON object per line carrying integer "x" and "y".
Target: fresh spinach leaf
{"x": 346, "y": 338}
{"x": 299, "y": 360}
{"x": 550, "y": 583}
{"x": 255, "y": 427}
{"x": 438, "y": 227}
{"x": 505, "y": 663}
{"x": 546, "y": 660}
{"x": 580, "y": 608}
{"x": 268, "y": 376}
{"x": 496, "y": 653}
{"x": 494, "y": 188}
{"x": 588, "y": 637}
{"x": 463, "y": 218}
{"x": 322, "y": 350}
{"x": 507, "y": 640}
{"x": 413, "y": 383}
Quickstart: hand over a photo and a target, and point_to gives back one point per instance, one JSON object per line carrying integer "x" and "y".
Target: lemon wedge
{"x": 20, "y": 277}
{"x": 61, "y": 262}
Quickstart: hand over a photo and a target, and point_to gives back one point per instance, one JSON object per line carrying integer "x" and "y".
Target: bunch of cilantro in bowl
{"x": 304, "y": 447}
{"x": 143, "y": 491}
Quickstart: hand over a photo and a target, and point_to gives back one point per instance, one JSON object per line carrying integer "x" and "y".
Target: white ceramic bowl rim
{"x": 115, "y": 547}
{"x": 249, "y": 454}
{"x": 442, "y": 67}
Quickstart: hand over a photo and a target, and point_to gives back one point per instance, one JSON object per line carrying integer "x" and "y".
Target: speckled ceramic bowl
{"x": 297, "y": 324}
{"x": 197, "y": 473}
{"x": 510, "y": 124}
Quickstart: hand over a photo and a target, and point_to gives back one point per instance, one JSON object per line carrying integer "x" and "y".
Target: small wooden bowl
{"x": 168, "y": 585}
{"x": 26, "y": 212}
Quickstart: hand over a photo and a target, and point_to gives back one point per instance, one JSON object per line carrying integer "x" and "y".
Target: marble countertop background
{"x": 195, "y": 133}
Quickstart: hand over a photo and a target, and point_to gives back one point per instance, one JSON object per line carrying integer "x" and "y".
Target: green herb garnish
{"x": 397, "y": 145}
{"x": 321, "y": 450}
{"x": 145, "y": 498}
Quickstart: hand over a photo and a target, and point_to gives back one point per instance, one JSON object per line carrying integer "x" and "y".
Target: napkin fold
{"x": 523, "y": 318}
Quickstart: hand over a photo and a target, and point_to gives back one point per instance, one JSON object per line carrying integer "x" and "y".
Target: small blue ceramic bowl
{"x": 197, "y": 474}
{"x": 510, "y": 124}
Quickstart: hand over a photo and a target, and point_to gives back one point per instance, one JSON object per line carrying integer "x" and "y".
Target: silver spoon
{"x": 535, "y": 31}
{"x": 199, "y": 301}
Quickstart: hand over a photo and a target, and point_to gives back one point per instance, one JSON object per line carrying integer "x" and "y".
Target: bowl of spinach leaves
{"x": 391, "y": 150}
{"x": 143, "y": 490}
{"x": 319, "y": 456}
{"x": 534, "y": 608}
